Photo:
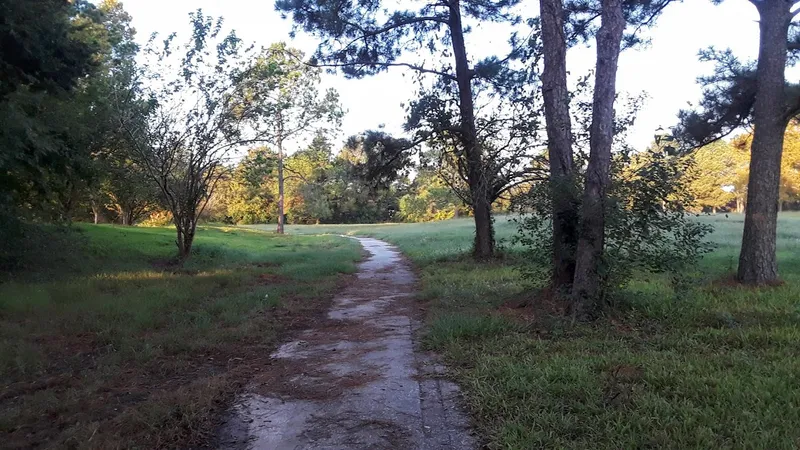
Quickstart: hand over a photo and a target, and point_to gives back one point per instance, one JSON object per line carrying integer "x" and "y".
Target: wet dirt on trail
{"x": 355, "y": 380}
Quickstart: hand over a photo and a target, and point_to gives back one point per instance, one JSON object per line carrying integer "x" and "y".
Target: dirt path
{"x": 355, "y": 379}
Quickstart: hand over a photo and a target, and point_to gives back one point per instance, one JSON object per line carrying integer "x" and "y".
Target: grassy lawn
{"x": 104, "y": 344}
{"x": 717, "y": 367}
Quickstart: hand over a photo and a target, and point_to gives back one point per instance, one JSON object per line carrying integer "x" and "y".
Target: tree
{"x": 363, "y": 181}
{"x": 790, "y": 165}
{"x": 591, "y": 232}
{"x": 564, "y": 24}
{"x": 250, "y": 192}
{"x": 559, "y": 143}
{"x": 194, "y": 118}
{"x": 366, "y": 38}
{"x": 738, "y": 93}
{"x": 716, "y": 173}
{"x": 43, "y": 49}
{"x": 285, "y": 95}
{"x": 309, "y": 172}
{"x": 726, "y": 164}
{"x": 49, "y": 48}
{"x": 118, "y": 181}
{"x": 430, "y": 199}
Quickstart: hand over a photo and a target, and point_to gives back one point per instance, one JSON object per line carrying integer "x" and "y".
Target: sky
{"x": 666, "y": 70}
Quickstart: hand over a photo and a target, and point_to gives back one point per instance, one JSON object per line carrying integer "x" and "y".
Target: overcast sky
{"x": 666, "y": 70}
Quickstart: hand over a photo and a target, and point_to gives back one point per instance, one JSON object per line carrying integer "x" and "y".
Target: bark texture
{"x": 476, "y": 176}
{"x": 587, "y": 283}
{"x": 559, "y": 139}
{"x": 757, "y": 260}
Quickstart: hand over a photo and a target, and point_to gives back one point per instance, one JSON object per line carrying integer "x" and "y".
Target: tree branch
{"x": 386, "y": 64}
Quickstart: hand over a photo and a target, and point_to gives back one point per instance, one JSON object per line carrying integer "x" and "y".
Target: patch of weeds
{"x": 447, "y": 329}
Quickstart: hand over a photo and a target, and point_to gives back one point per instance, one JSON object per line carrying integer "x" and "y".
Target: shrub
{"x": 648, "y": 227}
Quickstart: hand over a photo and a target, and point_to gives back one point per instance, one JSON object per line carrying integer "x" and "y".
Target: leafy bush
{"x": 648, "y": 227}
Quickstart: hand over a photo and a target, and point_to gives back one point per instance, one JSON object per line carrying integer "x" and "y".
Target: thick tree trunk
{"x": 559, "y": 137}
{"x": 757, "y": 260}
{"x": 476, "y": 176}
{"x": 587, "y": 284}
{"x": 281, "y": 216}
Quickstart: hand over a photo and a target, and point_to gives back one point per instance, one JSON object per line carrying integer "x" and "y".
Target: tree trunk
{"x": 587, "y": 284}
{"x": 185, "y": 227}
{"x": 281, "y": 216}
{"x": 476, "y": 176}
{"x": 714, "y": 210}
{"x": 559, "y": 137}
{"x": 98, "y": 215}
{"x": 125, "y": 215}
{"x": 757, "y": 260}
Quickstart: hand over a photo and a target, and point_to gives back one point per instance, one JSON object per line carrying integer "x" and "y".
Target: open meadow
{"x": 104, "y": 343}
{"x": 713, "y": 366}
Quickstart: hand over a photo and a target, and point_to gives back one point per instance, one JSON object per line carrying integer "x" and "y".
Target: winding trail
{"x": 355, "y": 379}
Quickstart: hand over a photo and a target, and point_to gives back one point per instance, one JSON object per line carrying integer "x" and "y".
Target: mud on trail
{"x": 355, "y": 379}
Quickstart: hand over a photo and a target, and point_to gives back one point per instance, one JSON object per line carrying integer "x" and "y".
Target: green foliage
{"x": 354, "y": 196}
{"x": 319, "y": 188}
{"x": 648, "y": 226}
{"x": 249, "y": 193}
{"x": 51, "y": 49}
{"x": 281, "y": 97}
{"x": 429, "y": 199}
{"x": 48, "y": 45}
{"x": 716, "y": 166}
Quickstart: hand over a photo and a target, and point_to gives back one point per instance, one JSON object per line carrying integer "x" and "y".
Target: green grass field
{"x": 717, "y": 367}
{"x": 104, "y": 344}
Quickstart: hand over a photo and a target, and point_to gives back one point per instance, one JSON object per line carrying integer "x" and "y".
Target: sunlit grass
{"x": 716, "y": 367}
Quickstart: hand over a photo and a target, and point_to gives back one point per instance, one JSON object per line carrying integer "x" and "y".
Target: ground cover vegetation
{"x": 687, "y": 366}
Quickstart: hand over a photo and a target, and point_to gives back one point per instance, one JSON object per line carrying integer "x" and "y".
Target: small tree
{"x": 285, "y": 103}
{"x": 186, "y": 117}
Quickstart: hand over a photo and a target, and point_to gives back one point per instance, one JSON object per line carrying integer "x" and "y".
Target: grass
{"x": 716, "y": 367}
{"x": 107, "y": 345}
